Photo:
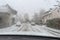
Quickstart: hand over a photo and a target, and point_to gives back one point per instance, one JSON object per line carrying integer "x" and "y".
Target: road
{"x": 27, "y": 28}
{"x": 37, "y": 28}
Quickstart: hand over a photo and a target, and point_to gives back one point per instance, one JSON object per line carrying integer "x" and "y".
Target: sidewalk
{"x": 52, "y": 31}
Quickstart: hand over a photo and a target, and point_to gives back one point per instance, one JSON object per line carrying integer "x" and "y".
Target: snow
{"x": 8, "y": 29}
{"x": 27, "y": 29}
{"x": 52, "y": 31}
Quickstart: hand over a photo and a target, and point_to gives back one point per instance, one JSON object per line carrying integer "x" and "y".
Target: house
{"x": 52, "y": 13}
{"x": 7, "y": 15}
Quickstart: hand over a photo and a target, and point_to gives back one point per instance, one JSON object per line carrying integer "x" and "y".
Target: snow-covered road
{"x": 28, "y": 29}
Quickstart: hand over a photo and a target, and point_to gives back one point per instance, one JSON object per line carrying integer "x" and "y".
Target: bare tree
{"x": 36, "y": 18}
{"x": 58, "y": 3}
{"x": 21, "y": 18}
{"x": 26, "y": 17}
{"x": 42, "y": 12}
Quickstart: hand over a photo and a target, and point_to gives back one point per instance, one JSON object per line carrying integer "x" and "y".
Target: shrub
{"x": 53, "y": 23}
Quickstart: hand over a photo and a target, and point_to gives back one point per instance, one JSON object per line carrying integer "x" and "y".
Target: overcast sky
{"x": 29, "y": 6}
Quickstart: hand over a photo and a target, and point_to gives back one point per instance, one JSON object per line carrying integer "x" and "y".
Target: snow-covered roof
{"x": 7, "y": 8}
{"x": 49, "y": 12}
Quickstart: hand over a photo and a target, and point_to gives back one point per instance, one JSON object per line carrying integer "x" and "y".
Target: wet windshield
{"x": 30, "y": 17}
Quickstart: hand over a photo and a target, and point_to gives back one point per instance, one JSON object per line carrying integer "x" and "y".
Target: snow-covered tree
{"x": 26, "y": 17}
{"x": 35, "y": 18}
{"x": 42, "y": 11}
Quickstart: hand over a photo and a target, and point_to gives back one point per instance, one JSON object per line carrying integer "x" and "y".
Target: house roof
{"x": 49, "y": 12}
{"x": 7, "y": 8}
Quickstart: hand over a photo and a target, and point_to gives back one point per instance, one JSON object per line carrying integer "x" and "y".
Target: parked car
{"x": 18, "y": 24}
{"x": 33, "y": 24}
